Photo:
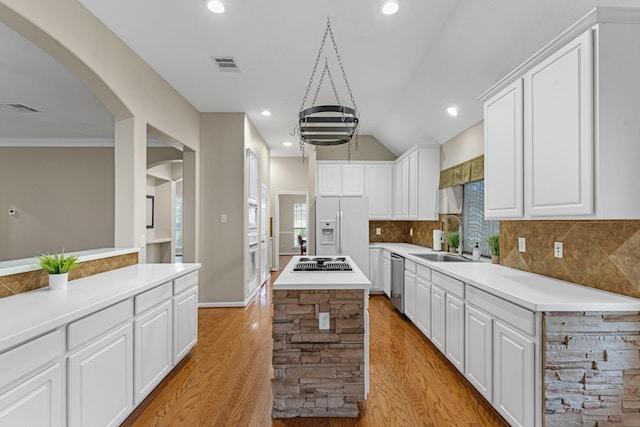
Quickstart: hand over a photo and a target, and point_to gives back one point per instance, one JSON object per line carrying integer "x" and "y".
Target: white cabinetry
{"x": 31, "y": 390}
{"x": 513, "y": 369}
{"x": 386, "y": 272}
{"x": 153, "y": 345}
{"x": 453, "y": 317}
{"x": 335, "y": 179}
{"x": 438, "y": 317}
{"x": 375, "y": 265}
{"x": 252, "y": 177}
{"x": 417, "y": 178}
{"x": 574, "y": 125}
{"x": 185, "y": 315}
{"x": 352, "y": 180}
{"x": 380, "y": 190}
{"x": 410, "y": 289}
{"x": 478, "y": 350}
{"x": 423, "y": 300}
{"x": 397, "y": 190}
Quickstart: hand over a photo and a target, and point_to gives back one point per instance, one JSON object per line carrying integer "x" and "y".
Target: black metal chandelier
{"x": 327, "y": 124}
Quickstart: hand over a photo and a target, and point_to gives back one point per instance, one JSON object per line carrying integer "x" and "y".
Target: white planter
{"x": 58, "y": 281}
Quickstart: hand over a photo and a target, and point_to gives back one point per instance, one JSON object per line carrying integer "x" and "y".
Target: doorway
{"x": 291, "y": 220}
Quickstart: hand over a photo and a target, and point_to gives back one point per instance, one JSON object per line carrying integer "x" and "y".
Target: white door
{"x": 454, "y": 331}
{"x": 478, "y": 350}
{"x": 100, "y": 380}
{"x": 437, "y": 317}
{"x": 513, "y": 375}
{"x": 379, "y": 190}
{"x": 410, "y": 295}
{"x": 353, "y": 180}
{"x": 397, "y": 190}
{"x": 185, "y": 323}
{"x": 404, "y": 198}
{"x": 153, "y": 349}
{"x": 413, "y": 185}
{"x": 374, "y": 268}
{"x": 354, "y": 230}
{"x": 503, "y": 154}
{"x": 36, "y": 402}
{"x": 423, "y": 306}
{"x": 329, "y": 180}
{"x": 386, "y": 272}
{"x": 558, "y": 141}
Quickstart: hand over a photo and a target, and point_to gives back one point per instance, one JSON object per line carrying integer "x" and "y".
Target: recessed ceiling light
{"x": 453, "y": 111}
{"x": 215, "y": 6}
{"x": 287, "y": 143}
{"x": 266, "y": 113}
{"x": 390, "y": 7}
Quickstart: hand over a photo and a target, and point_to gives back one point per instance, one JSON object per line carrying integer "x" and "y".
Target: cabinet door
{"x": 379, "y": 190}
{"x": 374, "y": 269}
{"x": 413, "y": 185}
{"x": 437, "y": 317}
{"x": 513, "y": 375}
{"x": 185, "y": 323}
{"x": 503, "y": 154}
{"x": 386, "y": 273}
{"x": 478, "y": 350}
{"x": 353, "y": 180}
{"x": 410, "y": 295}
{"x": 454, "y": 331}
{"x": 329, "y": 180}
{"x": 558, "y": 142}
{"x": 397, "y": 190}
{"x": 252, "y": 177}
{"x": 423, "y": 306}
{"x": 36, "y": 402}
{"x": 153, "y": 345}
{"x": 100, "y": 384}
{"x": 404, "y": 196}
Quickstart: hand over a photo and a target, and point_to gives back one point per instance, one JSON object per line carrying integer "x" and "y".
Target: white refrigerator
{"x": 342, "y": 228}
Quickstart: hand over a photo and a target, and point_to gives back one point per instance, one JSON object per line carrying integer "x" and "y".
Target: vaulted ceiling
{"x": 404, "y": 69}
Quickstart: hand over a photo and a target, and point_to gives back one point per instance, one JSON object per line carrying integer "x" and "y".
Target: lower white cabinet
{"x": 386, "y": 272}
{"x": 513, "y": 375}
{"x": 185, "y": 322}
{"x": 100, "y": 380}
{"x": 423, "y": 306}
{"x": 478, "y": 350}
{"x": 454, "y": 331}
{"x": 410, "y": 290}
{"x": 374, "y": 269}
{"x": 153, "y": 348}
{"x": 36, "y": 402}
{"x": 438, "y": 317}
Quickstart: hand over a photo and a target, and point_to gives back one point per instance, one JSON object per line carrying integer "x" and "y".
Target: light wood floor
{"x": 226, "y": 379}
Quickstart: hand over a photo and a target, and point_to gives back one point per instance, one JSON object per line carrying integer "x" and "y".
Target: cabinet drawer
{"x": 424, "y": 273}
{"x": 449, "y": 284}
{"x": 516, "y": 316}
{"x": 96, "y": 324}
{"x": 184, "y": 282}
{"x": 29, "y": 356}
{"x": 410, "y": 266}
{"x": 152, "y": 297}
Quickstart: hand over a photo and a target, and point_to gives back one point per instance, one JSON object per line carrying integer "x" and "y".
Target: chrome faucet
{"x": 459, "y": 230}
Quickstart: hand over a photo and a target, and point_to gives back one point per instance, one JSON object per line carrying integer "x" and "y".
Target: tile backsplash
{"x": 599, "y": 254}
{"x": 398, "y": 231}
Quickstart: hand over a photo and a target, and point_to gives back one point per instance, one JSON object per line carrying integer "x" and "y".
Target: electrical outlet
{"x": 324, "y": 322}
{"x": 143, "y": 241}
{"x": 411, "y": 232}
{"x": 522, "y": 244}
{"x": 378, "y": 231}
{"x": 558, "y": 249}
{"x": 223, "y": 218}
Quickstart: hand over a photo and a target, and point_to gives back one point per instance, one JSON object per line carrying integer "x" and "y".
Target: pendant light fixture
{"x": 327, "y": 124}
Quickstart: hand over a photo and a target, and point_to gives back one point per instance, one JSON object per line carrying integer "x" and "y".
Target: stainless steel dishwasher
{"x": 397, "y": 282}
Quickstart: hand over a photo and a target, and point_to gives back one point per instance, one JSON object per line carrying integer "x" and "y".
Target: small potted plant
{"x": 494, "y": 246}
{"x": 58, "y": 266}
{"x": 453, "y": 240}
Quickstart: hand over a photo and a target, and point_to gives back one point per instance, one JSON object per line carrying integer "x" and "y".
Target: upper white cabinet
{"x": 380, "y": 190}
{"x": 566, "y": 146}
{"x": 417, "y": 177}
{"x": 252, "y": 177}
{"x": 336, "y": 179}
{"x": 352, "y": 180}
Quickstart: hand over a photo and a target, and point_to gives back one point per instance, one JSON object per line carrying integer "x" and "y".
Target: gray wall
{"x": 64, "y": 198}
{"x": 369, "y": 148}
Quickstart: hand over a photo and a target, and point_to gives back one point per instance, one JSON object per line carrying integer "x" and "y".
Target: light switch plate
{"x": 522, "y": 244}
{"x": 324, "y": 322}
{"x": 411, "y": 232}
{"x": 223, "y": 218}
{"x": 558, "y": 249}
{"x": 378, "y": 231}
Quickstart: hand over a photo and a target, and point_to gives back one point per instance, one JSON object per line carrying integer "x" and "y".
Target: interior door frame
{"x": 276, "y": 228}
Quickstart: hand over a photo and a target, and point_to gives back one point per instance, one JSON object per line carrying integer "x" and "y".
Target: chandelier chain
{"x": 344, "y": 74}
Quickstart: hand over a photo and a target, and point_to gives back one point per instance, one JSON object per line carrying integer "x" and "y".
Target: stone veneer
{"x": 591, "y": 369}
{"x": 14, "y": 284}
{"x": 318, "y": 373}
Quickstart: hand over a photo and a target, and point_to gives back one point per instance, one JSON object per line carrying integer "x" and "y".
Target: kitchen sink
{"x": 441, "y": 257}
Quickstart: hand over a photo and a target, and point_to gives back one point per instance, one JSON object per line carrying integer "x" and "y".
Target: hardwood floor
{"x": 226, "y": 380}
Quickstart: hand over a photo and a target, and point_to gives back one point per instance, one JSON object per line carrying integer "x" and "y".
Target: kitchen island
{"x": 320, "y": 372}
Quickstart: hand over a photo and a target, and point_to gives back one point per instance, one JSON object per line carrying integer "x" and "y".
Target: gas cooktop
{"x": 322, "y": 264}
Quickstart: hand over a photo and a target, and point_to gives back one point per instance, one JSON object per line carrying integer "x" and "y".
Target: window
{"x": 476, "y": 228}
{"x": 299, "y": 222}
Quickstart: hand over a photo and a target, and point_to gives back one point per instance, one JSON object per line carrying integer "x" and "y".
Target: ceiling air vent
{"x": 19, "y": 108}
{"x": 226, "y": 64}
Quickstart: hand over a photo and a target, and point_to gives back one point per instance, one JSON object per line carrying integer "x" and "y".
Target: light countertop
{"x": 23, "y": 265}
{"x": 299, "y": 280}
{"x": 531, "y": 291}
{"x": 36, "y": 312}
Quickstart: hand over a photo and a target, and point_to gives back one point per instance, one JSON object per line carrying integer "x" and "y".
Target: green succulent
{"x": 494, "y": 244}
{"x": 58, "y": 263}
{"x": 452, "y": 238}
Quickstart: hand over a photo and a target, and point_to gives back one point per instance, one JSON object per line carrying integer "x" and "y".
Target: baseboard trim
{"x": 231, "y": 304}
